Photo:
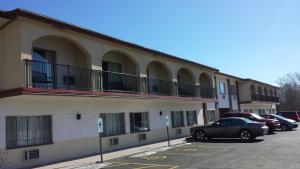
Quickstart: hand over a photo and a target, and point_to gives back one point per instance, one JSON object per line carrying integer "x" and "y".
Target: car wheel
{"x": 246, "y": 135}
{"x": 284, "y": 127}
{"x": 200, "y": 135}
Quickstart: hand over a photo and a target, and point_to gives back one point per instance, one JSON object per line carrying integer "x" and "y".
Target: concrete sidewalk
{"x": 88, "y": 162}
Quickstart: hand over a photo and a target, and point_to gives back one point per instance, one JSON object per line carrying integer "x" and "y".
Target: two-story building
{"x": 257, "y": 97}
{"x": 57, "y": 79}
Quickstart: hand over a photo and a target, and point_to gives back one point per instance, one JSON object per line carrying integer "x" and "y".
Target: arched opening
{"x": 206, "y": 88}
{"x": 159, "y": 79}
{"x": 186, "y": 83}
{"x": 259, "y": 93}
{"x": 120, "y": 73}
{"x": 266, "y": 93}
{"x": 59, "y": 62}
{"x": 275, "y": 93}
{"x": 271, "y": 92}
{"x": 252, "y": 89}
{"x": 253, "y": 92}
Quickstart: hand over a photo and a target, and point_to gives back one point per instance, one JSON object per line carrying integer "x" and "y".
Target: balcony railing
{"x": 159, "y": 87}
{"x": 187, "y": 89}
{"x": 207, "y": 92}
{"x": 120, "y": 82}
{"x": 258, "y": 97}
{"x": 57, "y": 76}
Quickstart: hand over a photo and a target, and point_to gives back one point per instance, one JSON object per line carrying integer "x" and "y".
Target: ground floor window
{"x": 177, "y": 119}
{"x": 24, "y": 131}
{"x": 114, "y": 123}
{"x": 210, "y": 116}
{"x": 139, "y": 122}
{"x": 191, "y": 117}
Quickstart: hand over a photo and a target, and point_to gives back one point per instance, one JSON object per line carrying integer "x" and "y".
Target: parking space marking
{"x": 155, "y": 157}
{"x": 143, "y": 165}
{"x": 186, "y": 154}
{"x": 186, "y": 149}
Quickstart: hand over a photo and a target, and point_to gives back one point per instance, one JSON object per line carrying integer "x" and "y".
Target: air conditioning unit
{"x": 30, "y": 155}
{"x": 178, "y": 132}
{"x": 142, "y": 136}
{"x": 114, "y": 141}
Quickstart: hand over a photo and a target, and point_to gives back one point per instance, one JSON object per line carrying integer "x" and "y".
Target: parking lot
{"x": 279, "y": 150}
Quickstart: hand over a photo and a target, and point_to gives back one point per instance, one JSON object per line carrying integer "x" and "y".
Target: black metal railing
{"x": 259, "y": 97}
{"x": 159, "y": 87}
{"x": 57, "y": 76}
{"x": 120, "y": 82}
{"x": 207, "y": 92}
{"x": 187, "y": 89}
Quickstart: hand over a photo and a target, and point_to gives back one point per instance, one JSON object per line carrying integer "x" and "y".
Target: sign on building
{"x": 100, "y": 125}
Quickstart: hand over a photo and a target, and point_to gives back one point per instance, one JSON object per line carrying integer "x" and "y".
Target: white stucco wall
{"x": 64, "y": 110}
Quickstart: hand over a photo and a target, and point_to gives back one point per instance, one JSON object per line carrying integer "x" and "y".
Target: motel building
{"x": 258, "y": 97}
{"x": 56, "y": 79}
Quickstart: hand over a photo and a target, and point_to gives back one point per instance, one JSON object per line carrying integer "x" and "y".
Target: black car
{"x": 231, "y": 127}
{"x": 285, "y": 124}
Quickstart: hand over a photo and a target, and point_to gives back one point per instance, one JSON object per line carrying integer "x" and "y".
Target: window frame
{"x": 131, "y": 114}
{"x": 104, "y": 117}
{"x": 221, "y": 85}
{"x": 29, "y": 145}
{"x": 182, "y": 120}
{"x": 193, "y": 113}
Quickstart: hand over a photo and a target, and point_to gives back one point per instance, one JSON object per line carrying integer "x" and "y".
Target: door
{"x": 219, "y": 128}
{"x": 43, "y": 75}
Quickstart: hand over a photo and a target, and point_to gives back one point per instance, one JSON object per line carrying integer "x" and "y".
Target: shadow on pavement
{"x": 191, "y": 140}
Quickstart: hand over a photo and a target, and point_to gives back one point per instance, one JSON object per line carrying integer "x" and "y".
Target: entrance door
{"x": 43, "y": 75}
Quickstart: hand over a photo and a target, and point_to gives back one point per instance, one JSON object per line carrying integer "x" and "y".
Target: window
{"x": 222, "y": 88}
{"x": 139, "y": 122}
{"x": 232, "y": 90}
{"x": 177, "y": 119}
{"x": 113, "y": 123}
{"x": 24, "y": 131}
{"x": 210, "y": 116}
{"x": 191, "y": 117}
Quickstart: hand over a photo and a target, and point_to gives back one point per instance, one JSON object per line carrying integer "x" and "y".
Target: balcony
{"x": 263, "y": 98}
{"x": 42, "y": 75}
{"x": 207, "y": 92}
{"x": 159, "y": 87}
{"x": 187, "y": 89}
{"x": 120, "y": 82}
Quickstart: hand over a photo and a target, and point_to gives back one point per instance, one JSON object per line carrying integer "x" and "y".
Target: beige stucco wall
{"x": 20, "y": 35}
{"x": 244, "y": 91}
{"x": 158, "y": 71}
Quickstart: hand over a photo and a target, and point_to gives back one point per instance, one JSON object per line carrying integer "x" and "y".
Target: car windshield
{"x": 257, "y": 116}
{"x": 279, "y": 117}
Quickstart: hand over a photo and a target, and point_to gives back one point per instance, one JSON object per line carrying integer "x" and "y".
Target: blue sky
{"x": 251, "y": 39}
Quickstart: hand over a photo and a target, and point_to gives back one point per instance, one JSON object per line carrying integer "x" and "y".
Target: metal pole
{"x": 100, "y": 143}
{"x": 168, "y": 136}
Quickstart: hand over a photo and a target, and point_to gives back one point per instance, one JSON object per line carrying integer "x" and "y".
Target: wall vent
{"x": 114, "y": 141}
{"x": 142, "y": 137}
{"x": 30, "y": 155}
{"x": 178, "y": 132}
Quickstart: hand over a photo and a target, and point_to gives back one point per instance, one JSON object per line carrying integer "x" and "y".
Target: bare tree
{"x": 3, "y": 159}
{"x": 289, "y": 92}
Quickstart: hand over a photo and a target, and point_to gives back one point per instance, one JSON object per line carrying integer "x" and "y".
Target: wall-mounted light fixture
{"x": 78, "y": 116}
